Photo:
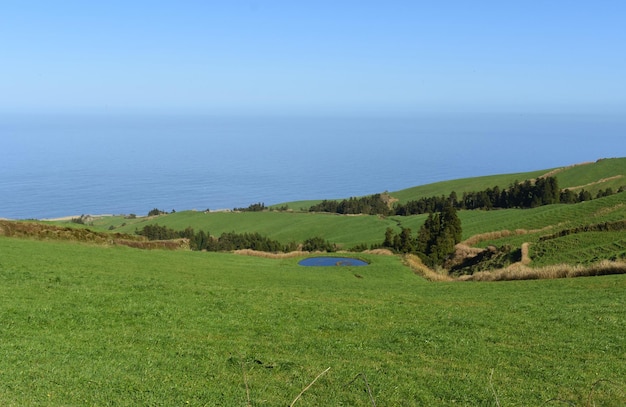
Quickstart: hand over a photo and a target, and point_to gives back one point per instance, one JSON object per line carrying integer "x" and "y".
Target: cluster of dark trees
{"x": 527, "y": 194}
{"x": 157, "y": 212}
{"x": 229, "y": 241}
{"x": 255, "y": 207}
{"x": 368, "y": 205}
{"x": 434, "y": 241}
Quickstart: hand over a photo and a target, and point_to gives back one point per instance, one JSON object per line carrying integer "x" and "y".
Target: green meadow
{"x": 85, "y": 322}
{"x": 94, "y": 325}
{"x": 523, "y": 225}
{"x": 519, "y": 225}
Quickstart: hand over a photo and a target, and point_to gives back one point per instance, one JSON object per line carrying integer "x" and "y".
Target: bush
{"x": 318, "y": 244}
{"x": 156, "y": 212}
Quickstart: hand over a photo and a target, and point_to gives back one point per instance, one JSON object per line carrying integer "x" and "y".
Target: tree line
{"x": 434, "y": 241}
{"x": 368, "y": 205}
{"x": 229, "y": 241}
{"x": 526, "y": 194}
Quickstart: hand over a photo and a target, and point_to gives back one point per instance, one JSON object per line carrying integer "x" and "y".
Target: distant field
{"x": 91, "y": 325}
{"x": 611, "y": 172}
{"x": 350, "y": 231}
{"x": 347, "y": 231}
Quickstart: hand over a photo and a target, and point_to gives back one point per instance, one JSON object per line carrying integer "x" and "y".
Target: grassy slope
{"x": 582, "y": 248}
{"x": 611, "y": 173}
{"x": 286, "y": 227}
{"x": 84, "y": 325}
{"x": 573, "y": 176}
{"x": 348, "y": 231}
{"x": 441, "y": 188}
{"x": 463, "y": 185}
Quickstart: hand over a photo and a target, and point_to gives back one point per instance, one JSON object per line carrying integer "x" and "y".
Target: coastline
{"x": 68, "y": 218}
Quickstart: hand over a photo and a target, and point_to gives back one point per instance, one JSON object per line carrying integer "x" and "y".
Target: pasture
{"x": 93, "y": 325}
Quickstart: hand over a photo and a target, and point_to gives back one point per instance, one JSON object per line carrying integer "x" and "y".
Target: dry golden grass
{"x": 519, "y": 271}
{"x": 380, "y": 252}
{"x": 174, "y": 244}
{"x": 419, "y": 268}
{"x": 525, "y": 256}
{"x": 465, "y": 251}
{"x": 268, "y": 255}
{"x": 486, "y": 236}
{"x": 499, "y": 234}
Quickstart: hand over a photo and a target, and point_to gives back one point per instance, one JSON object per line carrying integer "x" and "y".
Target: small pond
{"x": 332, "y": 261}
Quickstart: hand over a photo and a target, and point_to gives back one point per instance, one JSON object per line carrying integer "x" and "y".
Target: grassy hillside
{"x": 90, "y": 325}
{"x": 529, "y": 225}
{"x": 347, "y": 231}
{"x": 593, "y": 176}
{"x": 519, "y": 225}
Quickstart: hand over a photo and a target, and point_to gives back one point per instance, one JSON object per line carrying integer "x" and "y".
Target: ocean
{"x": 67, "y": 165}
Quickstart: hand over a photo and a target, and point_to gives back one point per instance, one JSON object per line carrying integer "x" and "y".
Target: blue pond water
{"x": 332, "y": 261}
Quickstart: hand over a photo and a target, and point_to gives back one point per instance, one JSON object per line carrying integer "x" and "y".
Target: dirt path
{"x": 600, "y": 181}
{"x": 557, "y": 170}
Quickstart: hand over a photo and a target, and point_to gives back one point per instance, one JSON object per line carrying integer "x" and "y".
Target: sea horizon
{"x": 67, "y": 165}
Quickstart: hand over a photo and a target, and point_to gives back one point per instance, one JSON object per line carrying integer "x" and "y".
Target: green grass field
{"x": 349, "y": 231}
{"x": 91, "y": 325}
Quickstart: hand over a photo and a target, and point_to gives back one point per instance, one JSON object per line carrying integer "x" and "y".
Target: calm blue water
{"x": 72, "y": 165}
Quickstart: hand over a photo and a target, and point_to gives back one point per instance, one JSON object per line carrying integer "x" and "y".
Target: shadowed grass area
{"x": 89, "y": 325}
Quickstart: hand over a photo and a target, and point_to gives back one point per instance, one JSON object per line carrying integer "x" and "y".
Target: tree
{"x": 451, "y": 223}
{"x": 156, "y": 212}
{"x": 584, "y": 196}
{"x": 406, "y": 241}
{"x": 317, "y": 244}
{"x": 438, "y": 236}
{"x": 388, "y": 238}
{"x": 424, "y": 235}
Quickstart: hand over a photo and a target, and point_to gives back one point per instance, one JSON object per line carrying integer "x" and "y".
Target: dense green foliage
{"x": 256, "y": 207}
{"x": 229, "y": 241}
{"x": 367, "y": 205}
{"x": 90, "y": 325}
{"x": 435, "y": 240}
{"x": 156, "y": 212}
{"x": 527, "y": 194}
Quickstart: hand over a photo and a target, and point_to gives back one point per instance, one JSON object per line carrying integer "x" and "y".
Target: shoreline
{"x": 68, "y": 218}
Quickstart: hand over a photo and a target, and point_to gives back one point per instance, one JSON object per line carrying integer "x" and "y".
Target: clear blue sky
{"x": 312, "y": 56}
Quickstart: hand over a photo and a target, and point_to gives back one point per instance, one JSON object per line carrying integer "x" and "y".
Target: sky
{"x": 317, "y": 56}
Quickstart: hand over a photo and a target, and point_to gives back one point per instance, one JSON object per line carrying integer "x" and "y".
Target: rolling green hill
{"x": 95, "y": 325}
{"x": 87, "y": 321}
{"x": 592, "y": 176}
{"x": 517, "y": 225}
